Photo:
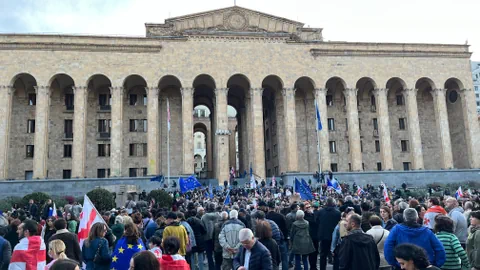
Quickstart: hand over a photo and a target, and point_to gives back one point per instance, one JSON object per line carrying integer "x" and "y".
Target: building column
{"x": 116, "y": 157}
{"x": 289, "y": 115}
{"x": 153, "y": 129}
{"x": 232, "y": 150}
{"x": 187, "y": 118}
{"x": 414, "y": 128}
{"x": 244, "y": 141}
{"x": 6, "y": 100}
{"x": 384, "y": 128}
{"x": 79, "y": 155}
{"x": 221, "y": 135}
{"x": 353, "y": 129}
{"x": 443, "y": 129}
{"x": 472, "y": 129}
{"x": 321, "y": 99}
{"x": 258, "y": 142}
{"x": 42, "y": 111}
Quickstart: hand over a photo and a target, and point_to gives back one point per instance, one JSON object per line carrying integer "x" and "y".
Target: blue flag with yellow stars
{"x": 123, "y": 252}
{"x": 302, "y": 190}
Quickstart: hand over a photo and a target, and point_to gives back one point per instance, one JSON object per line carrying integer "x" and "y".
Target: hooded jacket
{"x": 417, "y": 235}
{"x": 300, "y": 236}
{"x": 460, "y": 228}
{"x": 358, "y": 251}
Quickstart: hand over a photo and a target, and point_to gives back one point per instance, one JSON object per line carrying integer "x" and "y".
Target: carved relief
{"x": 236, "y": 20}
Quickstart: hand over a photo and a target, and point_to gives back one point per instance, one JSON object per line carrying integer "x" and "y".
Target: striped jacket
{"x": 456, "y": 257}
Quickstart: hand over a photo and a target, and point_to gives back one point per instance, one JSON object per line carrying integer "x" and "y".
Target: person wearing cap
{"x": 411, "y": 232}
{"x": 175, "y": 229}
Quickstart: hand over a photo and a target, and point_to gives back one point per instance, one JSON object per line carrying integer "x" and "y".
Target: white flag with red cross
{"x": 29, "y": 254}
{"x": 88, "y": 217}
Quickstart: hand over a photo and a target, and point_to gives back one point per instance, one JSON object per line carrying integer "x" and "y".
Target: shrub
{"x": 5, "y": 205}
{"x": 59, "y": 201}
{"x": 38, "y": 197}
{"x": 102, "y": 199}
{"x": 162, "y": 198}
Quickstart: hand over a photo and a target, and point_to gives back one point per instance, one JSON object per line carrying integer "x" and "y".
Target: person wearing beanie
{"x": 413, "y": 233}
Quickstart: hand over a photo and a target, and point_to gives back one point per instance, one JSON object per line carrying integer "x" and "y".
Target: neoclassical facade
{"x": 95, "y": 106}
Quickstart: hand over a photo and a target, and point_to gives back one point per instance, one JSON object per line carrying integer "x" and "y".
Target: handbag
{"x": 98, "y": 258}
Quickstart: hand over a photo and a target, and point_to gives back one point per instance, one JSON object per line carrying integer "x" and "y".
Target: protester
{"x": 31, "y": 243}
{"x": 411, "y": 232}
{"x": 339, "y": 233}
{"x": 455, "y": 212}
{"x": 95, "y": 251}
{"x": 218, "y": 250}
{"x": 65, "y": 265}
{"x": 349, "y": 203}
{"x": 252, "y": 254}
{"x": 327, "y": 218}
{"x": 264, "y": 235}
{"x": 191, "y": 236}
{"x": 71, "y": 222}
{"x": 200, "y": 234}
{"x": 473, "y": 241}
{"x": 32, "y": 209}
{"x": 171, "y": 260}
{"x": 5, "y": 249}
{"x": 12, "y": 235}
{"x": 399, "y": 209}
{"x": 302, "y": 244}
{"x": 366, "y": 214}
{"x": 144, "y": 260}
{"x": 358, "y": 250}
{"x": 281, "y": 222}
{"x": 174, "y": 228}
{"x": 412, "y": 257}
{"x": 209, "y": 219}
{"x": 118, "y": 229}
{"x": 70, "y": 240}
{"x": 379, "y": 235}
{"x": 49, "y": 229}
{"x": 47, "y": 209}
{"x": 56, "y": 251}
{"x": 154, "y": 246}
{"x": 387, "y": 218}
{"x": 229, "y": 239}
{"x": 434, "y": 209}
{"x": 456, "y": 257}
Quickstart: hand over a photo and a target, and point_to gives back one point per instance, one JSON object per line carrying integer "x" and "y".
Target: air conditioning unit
{"x": 373, "y": 108}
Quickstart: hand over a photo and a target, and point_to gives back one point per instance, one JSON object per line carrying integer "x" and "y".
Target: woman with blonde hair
{"x": 56, "y": 251}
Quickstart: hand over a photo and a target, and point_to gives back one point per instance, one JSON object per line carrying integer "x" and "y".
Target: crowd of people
{"x": 263, "y": 228}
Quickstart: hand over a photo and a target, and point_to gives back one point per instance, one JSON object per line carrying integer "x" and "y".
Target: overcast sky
{"x": 418, "y": 21}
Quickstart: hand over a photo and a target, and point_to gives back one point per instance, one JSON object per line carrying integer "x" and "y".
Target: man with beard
{"x": 30, "y": 243}
{"x": 455, "y": 212}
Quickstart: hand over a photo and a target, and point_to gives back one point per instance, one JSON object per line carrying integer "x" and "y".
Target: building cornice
{"x": 92, "y": 47}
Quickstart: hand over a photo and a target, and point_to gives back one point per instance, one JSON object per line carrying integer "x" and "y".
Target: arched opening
{"x": 135, "y": 147}
{"x": 397, "y": 114}
{"x": 99, "y": 126}
{"x": 306, "y": 130}
{"x": 456, "y": 122}
{"x": 169, "y": 92}
{"x": 272, "y": 100}
{"x": 337, "y": 125}
{"x": 204, "y": 105}
{"x": 21, "y": 148}
{"x": 368, "y": 125}
{"x": 202, "y": 142}
{"x": 60, "y": 133}
{"x": 238, "y": 124}
{"x": 431, "y": 144}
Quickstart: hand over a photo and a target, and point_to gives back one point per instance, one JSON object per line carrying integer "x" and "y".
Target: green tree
{"x": 162, "y": 198}
{"x": 102, "y": 199}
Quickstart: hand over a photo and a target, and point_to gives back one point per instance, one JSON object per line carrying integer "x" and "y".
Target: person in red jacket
{"x": 171, "y": 260}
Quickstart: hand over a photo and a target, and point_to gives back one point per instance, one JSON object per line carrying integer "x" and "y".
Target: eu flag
{"x": 319, "y": 121}
{"x": 227, "y": 199}
{"x": 334, "y": 185}
{"x": 158, "y": 178}
{"x": 188, "y": 184}
{"x": 123, "y": 252}
{"x": 304, "y": 194}
{"x": 304, "y": 183}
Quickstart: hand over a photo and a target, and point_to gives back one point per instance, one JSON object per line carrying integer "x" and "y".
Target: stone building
{"x": 95, "y": 106}
{"x": 476, "y": 83}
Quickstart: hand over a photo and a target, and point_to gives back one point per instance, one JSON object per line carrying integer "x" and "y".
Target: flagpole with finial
{"x": 168, "y": 143}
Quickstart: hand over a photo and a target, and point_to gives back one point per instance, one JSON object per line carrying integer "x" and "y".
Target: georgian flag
{"x": 459, "y": 193}
{"x": 274, "y": 182}
{"x": 88, "y": 217}
{"x": 29, "y": 254}
{"x": 360, "y": 191}
{"x": 385, "y": 193}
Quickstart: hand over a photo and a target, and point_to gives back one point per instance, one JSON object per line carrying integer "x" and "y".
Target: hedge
{"x": 102, "y": 199}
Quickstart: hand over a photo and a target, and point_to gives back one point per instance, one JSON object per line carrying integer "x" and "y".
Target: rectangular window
{"x": 361, "y": 146}
{"x": 145, "y": 125}
{"x": 67, "y": 174}
{"x": 104, "y": 101}
{"x": 363, "y": 166}
{"x": 476, "y": 87}
{"x": 268, "y": 155}
{"x": 401, "y": 123}
{"x": 132, "y": 172}
{"x": 144, "y": 171}
{"x": 104, "y": 150}
{"x": 400, "y": 100}
{"x": 104, "y": 125}
{"x": 404, "y": 144}
{"x": 377, "y": 146}
{"x": 349, "y": 167}
{"x": 275, "y": 170}
{"x": 133, "y": 100}
{"x": 133, "y": 125}
{"x": 375, "y": 124}
{"x": 334, "y": 167}
{"x": 145, "y": 100}
{"x": 331, "y": 124}
{"x": 28, "y": 175}
{"x": 333, "y": 146}
{"x": 67, "y": 151}
{"x": 31, "y": 126}
{"x": 346, "y": 124}
{"x": 30, "y": 149}
{"x": 379, "y": 166}
{"x": 69, "y": 101}
{"x": 144, "y": 149}
{"x": 329, "y": 100}
{"x": 274, "y": 150}
{"x": 359, "y": 124}
{"x": 101, "y": 173}
{"x": 133, "y": 150}
{"x": 406, "y": 166}
{"x": 68, "y": 128}
{"x": 32, "y": 99}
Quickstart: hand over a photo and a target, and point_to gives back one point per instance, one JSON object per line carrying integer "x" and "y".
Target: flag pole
{"x": 318, "y": 140}
{"x": 168, "y": 143}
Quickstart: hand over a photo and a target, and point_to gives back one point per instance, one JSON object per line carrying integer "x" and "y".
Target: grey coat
{"x": 228, "y": 237}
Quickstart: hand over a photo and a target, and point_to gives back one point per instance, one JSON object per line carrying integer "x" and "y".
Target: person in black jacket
{"x": 200, "y": 232}
{"x": 32, "y": 209}
{"x": 327, "y": 219}
{"x": 263, "y": 232}
{"x": 349, "y": 203}
{"x": 260, "y": 257}
{"x": 281, "y": 222}
{"x": 312, "y": 225}
{"x": 70, "y": 240}
{"x": 5, "y": 249}
{"x": 358, "y": 250}
{"x": 46, "y": 209}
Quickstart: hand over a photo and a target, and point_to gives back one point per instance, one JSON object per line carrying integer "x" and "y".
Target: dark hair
{"x": 137, "y": 218}
{"x": 60, "y": 224}
{"x": 355, "y": 218}
{"x": 293, "y": 206}
{"x": 65, "y": 264}
{"x": 434, "y": 201}
{"x": 263, "y": 229}
{"x": 171, "y": 245}
{"x": 375, "y": 220}
{"x": 365, "y": 206}
{"x": 413, "y": 203}
{"x": 95, "y": 232}
{"x": 157, "y": 241}
{"x": 443, "y": 224}
{"x": 31, "y": 226}
{"x": 475, "y": 214}
{"x": 260, "y": 215}
{"x": 145, "y": 260}
{"x": 172, "y": 215}
{"x": 181, "y": 216}
{"x": 412, "y": 252}
{"x": 387, "y": 209}
{"x": 376, "y": 202}
{"x": 131, "y": 232}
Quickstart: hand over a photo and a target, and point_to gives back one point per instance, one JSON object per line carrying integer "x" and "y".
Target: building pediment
{"x": 237, "y": 21}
